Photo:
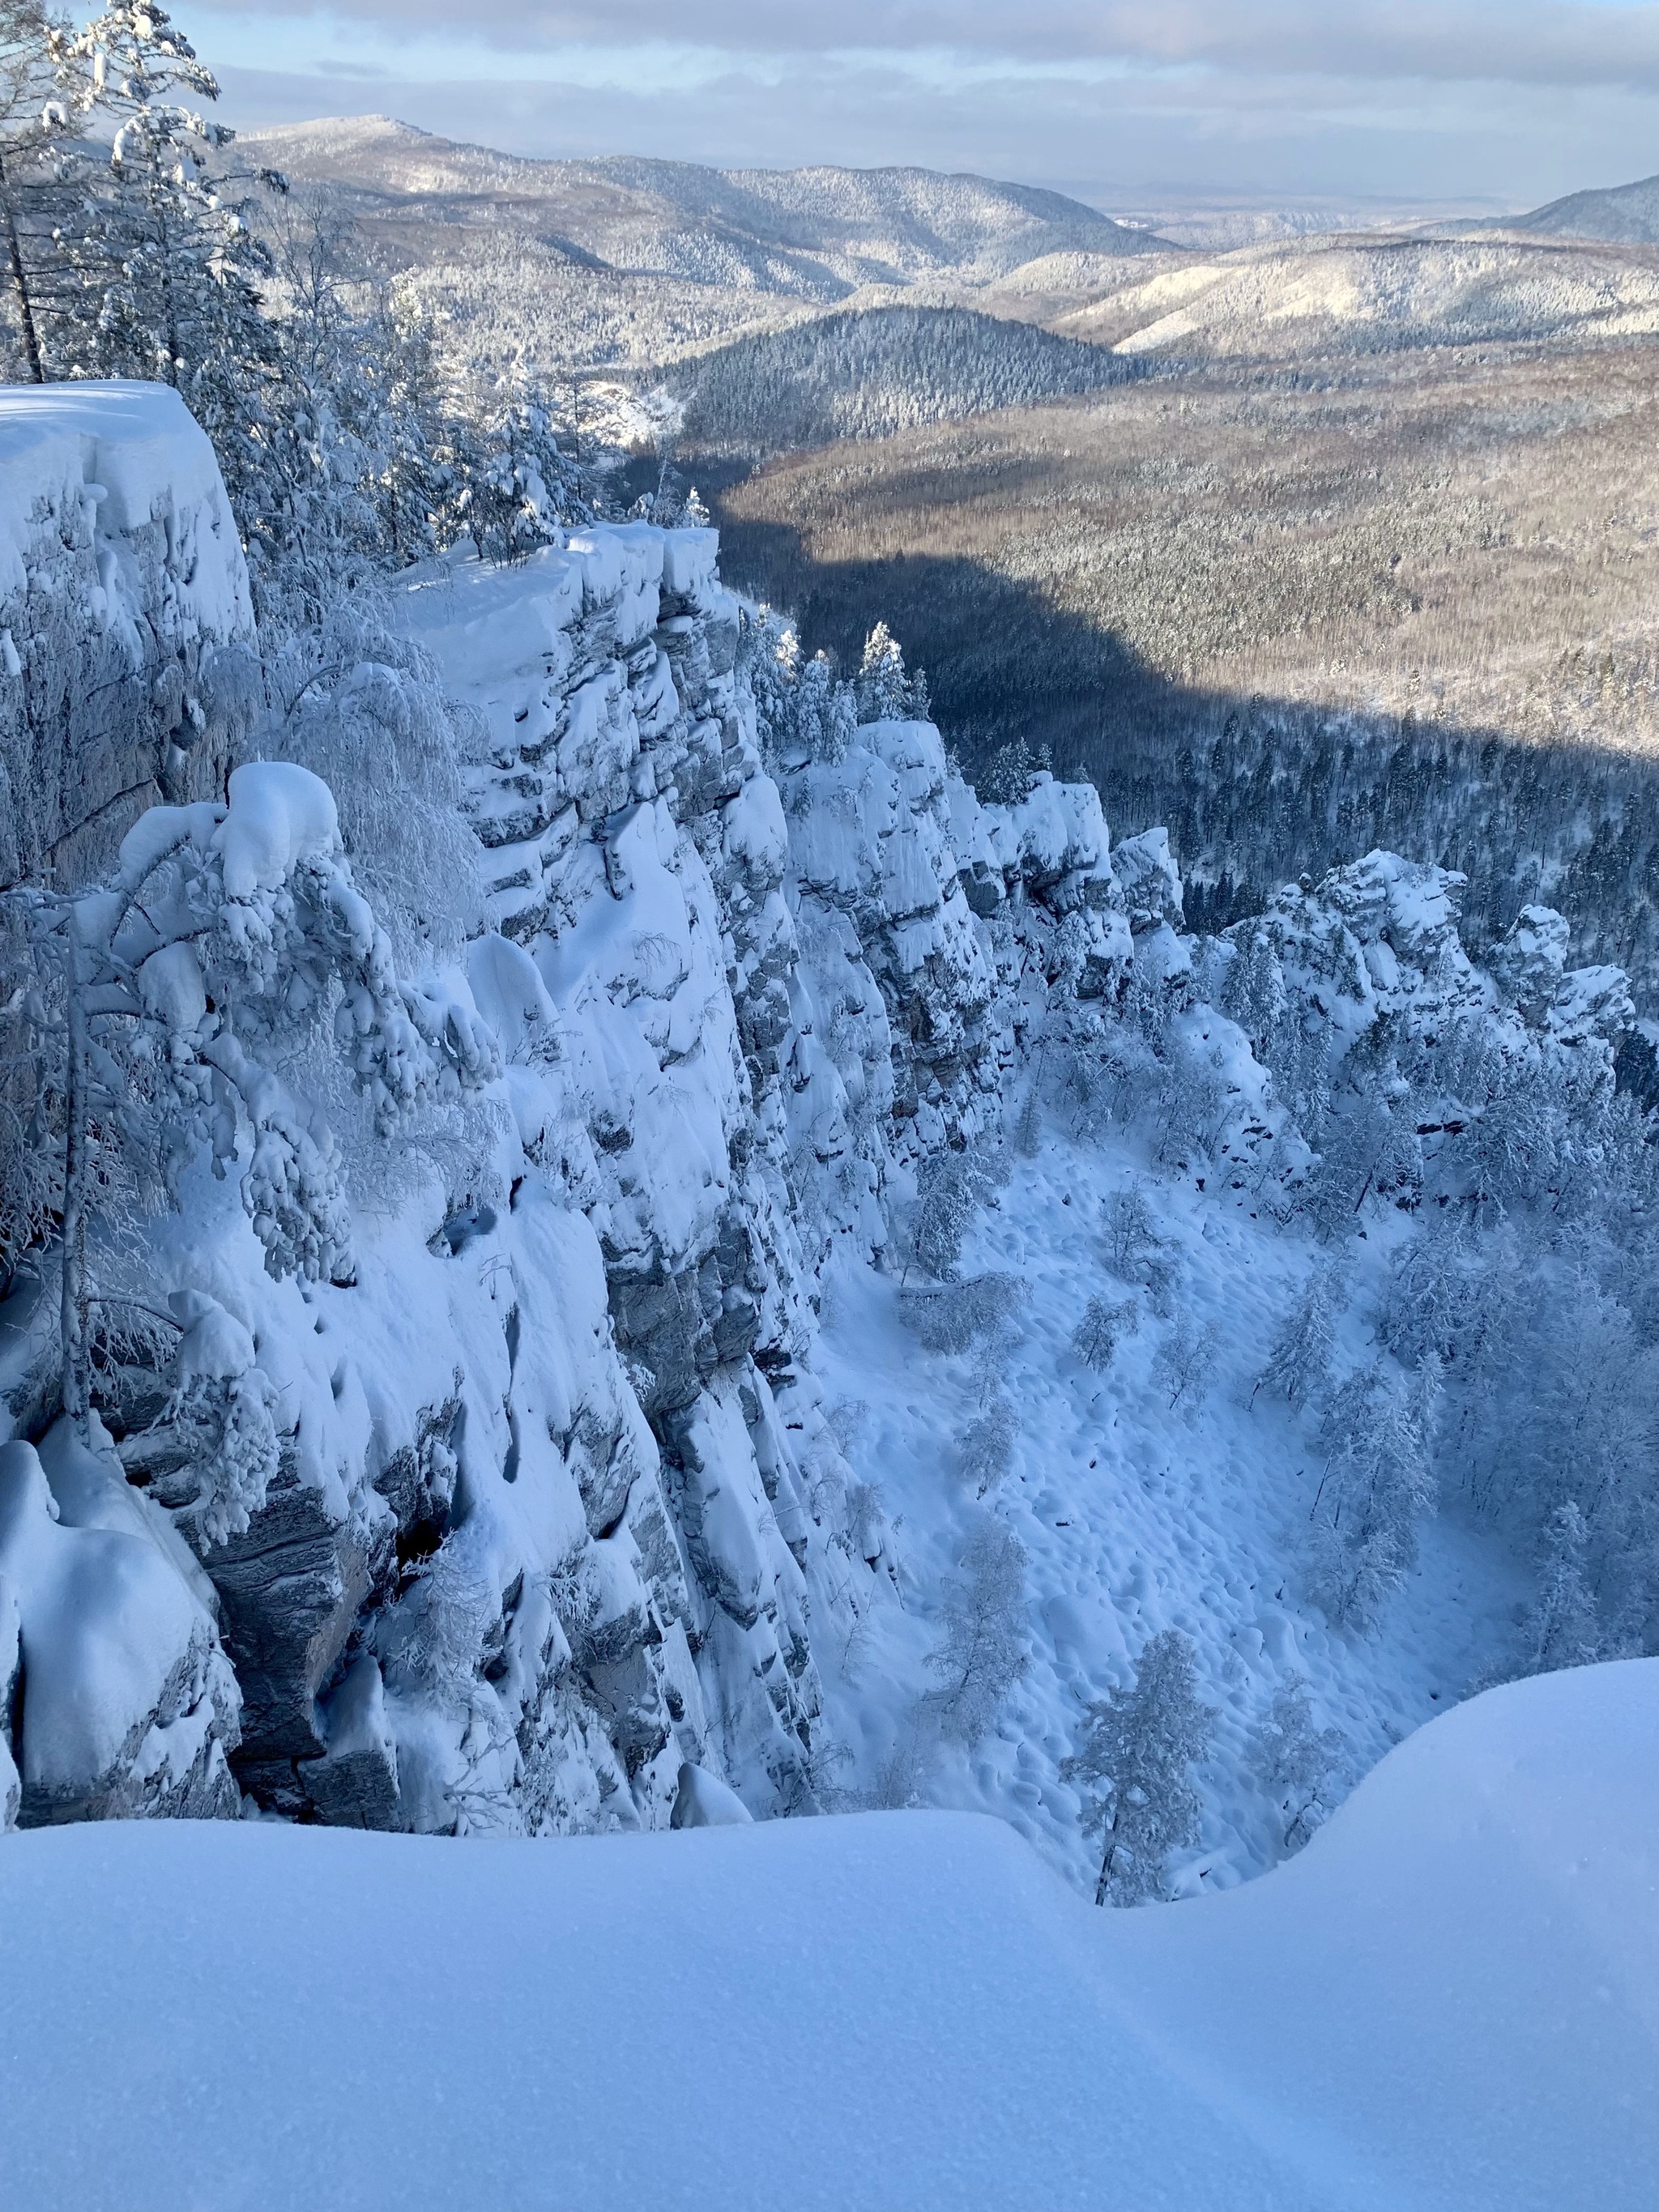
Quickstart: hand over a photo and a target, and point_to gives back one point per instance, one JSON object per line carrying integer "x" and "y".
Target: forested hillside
{"x": 867, "y": 374}
{"x": 1292, "y": 616}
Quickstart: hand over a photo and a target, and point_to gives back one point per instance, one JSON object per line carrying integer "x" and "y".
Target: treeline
{"x": 1255, "y": 791}
{"x": 865, "y": 374}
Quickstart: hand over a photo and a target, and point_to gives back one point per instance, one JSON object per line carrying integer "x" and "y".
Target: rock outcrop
{"x": 556, "y": 1514}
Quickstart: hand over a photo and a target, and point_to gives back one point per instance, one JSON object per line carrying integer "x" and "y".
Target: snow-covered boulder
{"x": 128, "y": 1705}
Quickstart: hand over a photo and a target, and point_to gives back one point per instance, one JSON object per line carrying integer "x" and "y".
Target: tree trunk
{"x": 1107, "y": 1859}
{"x": 20, "y": 284}
{"x": 76, "y": 1381}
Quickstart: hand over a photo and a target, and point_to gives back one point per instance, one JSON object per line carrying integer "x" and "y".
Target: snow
{"x": 1361, "y": 293}
{"x": 118, "y": 1651}
{"x": 116, "y": 458}
{"x": 280, "y": 815}
{"x": 1135, "y": 1515}
{"x": 1447, "y": 2002}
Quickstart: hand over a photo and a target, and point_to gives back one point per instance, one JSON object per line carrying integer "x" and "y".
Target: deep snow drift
{"x": 1446, "y": 2002}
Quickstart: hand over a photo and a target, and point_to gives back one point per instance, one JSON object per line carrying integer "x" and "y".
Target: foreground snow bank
{"x": 1447, "y": 2001}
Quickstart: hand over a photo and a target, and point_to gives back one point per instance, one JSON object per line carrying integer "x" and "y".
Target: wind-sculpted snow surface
{"x": 1446, "y": 2002}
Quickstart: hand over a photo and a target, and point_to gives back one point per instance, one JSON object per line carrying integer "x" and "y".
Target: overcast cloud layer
{"x": 1131, "y": 100}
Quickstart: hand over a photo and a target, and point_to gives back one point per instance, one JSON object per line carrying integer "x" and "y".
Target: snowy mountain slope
{"x": 1445, "y": 2002}
{"x": 813, "y": 234}
{"x": 624, "y": 264}
{"x": 1626, "y": 214}
{"x": 865, "y": 374}
{"x": 1377, "y": 294}
{"x": 1134, "y": 1515}
{"x": 794, "y": 1336}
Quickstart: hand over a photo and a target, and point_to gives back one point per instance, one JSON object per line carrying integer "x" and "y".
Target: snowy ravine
{"x": 611, "y": 1482}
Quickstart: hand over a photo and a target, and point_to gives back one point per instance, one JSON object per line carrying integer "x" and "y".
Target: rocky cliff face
{"x": 127, "y": 665}
{"x": 557, "y": 1516}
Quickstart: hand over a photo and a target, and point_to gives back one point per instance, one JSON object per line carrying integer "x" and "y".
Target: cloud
{"x": 1135, "y": 103}
{"x": 1584, "y": 43}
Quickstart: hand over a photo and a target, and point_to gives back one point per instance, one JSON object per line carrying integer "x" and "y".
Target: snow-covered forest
{"x": 863, "y": 375}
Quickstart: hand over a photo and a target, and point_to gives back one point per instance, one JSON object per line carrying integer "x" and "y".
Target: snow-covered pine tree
{"x": 355, "y": 470}
{"x": 950, "y": 1187}
{"x": 1132, "y": 1765}
{"x": 982, "y": 1653}
{"x": 1295, "y": 1760}
{"x": 522, "y": 487}
{"x": 1252, "y": 991}
{"x": 987, "y": 1444}
{"x": 1370, "y": 1151}
{"x": 1378, "y": 1483}
{"x": 1299, "y": 1357}
{"x": 1006, "y": 778}
{"x": 1562, "y": 1629}
{"x": 1101, "y": 1329}
{"x": 805, "y": 713}
{"x": 43, "y": 96}
{"x": 169, "y": 274}
{"x": 886, "y": 692}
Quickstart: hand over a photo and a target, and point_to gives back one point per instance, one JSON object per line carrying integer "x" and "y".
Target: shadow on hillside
{"x": 1255, "y": 791}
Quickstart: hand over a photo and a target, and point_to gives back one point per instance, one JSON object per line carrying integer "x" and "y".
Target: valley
{"x": 830, "y": 1151}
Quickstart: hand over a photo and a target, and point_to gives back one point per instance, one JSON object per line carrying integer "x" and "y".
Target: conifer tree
{"x": 168, "y": 273}
{"x": 1134, "y": 1762}
{"x": 1300, "y": 1356}
{"x": 1378, "y": 1483}
{"x": 1561, "y": 1628}
{"x": 982, "y": 1653}
{"x": 886, "y": 692}
{"x": 42, "y": 96}
{"x": 1295, "y": 1759}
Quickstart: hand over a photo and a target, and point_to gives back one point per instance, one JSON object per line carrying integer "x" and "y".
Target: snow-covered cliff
{"x": 127, "y": 665}
{"x": 554, "y": 1514}
{"x": 469, "y": 1448}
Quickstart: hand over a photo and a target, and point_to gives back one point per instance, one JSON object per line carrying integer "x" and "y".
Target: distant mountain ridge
{"x": 1625, "y": 214}
{"x": 811, "y": 233}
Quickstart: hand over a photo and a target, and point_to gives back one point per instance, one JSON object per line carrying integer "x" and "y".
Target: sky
{"x": 1134, "y": 103}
